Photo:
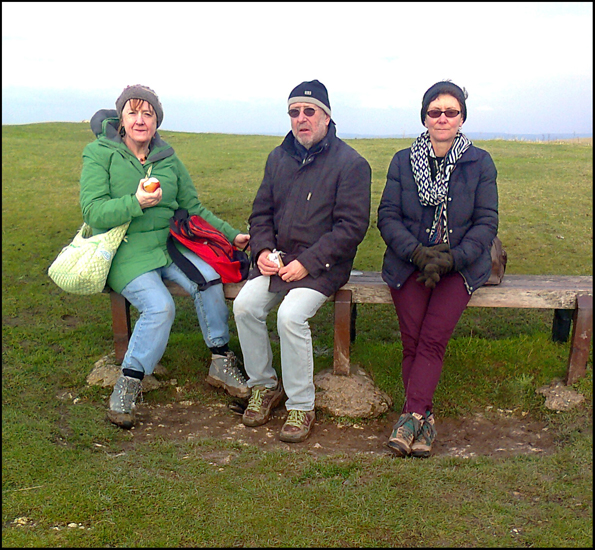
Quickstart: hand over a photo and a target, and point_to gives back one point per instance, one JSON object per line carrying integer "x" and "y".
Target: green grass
{"x": 63, "y": 462}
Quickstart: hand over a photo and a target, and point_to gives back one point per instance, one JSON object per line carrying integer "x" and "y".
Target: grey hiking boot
{"x": 422, "y": 445}
{"x": 262, "y": 402}
{"x": 404, "y": 433}
{"x": 122, "y": 402}
{"x": 224, "y": 373}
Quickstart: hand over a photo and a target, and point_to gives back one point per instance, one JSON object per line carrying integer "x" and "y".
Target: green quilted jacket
{"x": 109, "y": 180}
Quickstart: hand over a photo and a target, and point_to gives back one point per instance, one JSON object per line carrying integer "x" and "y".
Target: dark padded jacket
{"x": 472, "y": 218}
{"x": 316, "y": 210}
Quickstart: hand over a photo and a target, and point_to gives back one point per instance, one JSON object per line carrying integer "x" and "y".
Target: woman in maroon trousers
{"x": 438, "y": 216}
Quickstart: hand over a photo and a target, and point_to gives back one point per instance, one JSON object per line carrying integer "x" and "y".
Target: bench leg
{"x": 561, "y": 324}
{"x": 342, "y": 332}
{"x": 582, "y": 330}
{"x": 353, "y": 319}
{"x": 121, "y": 324}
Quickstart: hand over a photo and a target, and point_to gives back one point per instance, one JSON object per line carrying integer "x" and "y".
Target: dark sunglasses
{"x": 450, "y": 113}
{"x": 308, "y": 111}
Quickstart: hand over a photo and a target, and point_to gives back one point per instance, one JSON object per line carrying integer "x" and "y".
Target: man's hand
{"x": 266, "y": 266}
{"x": 293, "y": 271}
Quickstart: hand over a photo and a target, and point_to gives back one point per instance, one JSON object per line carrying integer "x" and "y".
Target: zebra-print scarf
{"x": 435, "y": 193}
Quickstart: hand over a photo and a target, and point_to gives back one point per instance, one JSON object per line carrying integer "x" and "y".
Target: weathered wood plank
{"x": 120, "y": 324}
{"x": 518, "y": 291}
{"x": 558, "y": 292}
{"x": 581, "y": 338}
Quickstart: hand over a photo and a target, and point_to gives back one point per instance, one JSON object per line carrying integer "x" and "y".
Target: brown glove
{"x": 422, "y": 255}
{"x": 438, "y": 261}
{"x": 443, "y": 261}
{"x": 429, "y": 276}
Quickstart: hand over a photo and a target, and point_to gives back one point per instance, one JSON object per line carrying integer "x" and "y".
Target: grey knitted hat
{"x": 138, "y": 91}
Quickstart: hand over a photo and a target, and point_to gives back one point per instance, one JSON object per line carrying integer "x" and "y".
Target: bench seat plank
{"x": 557, "y": 292}
{"x": 518, "y": 291}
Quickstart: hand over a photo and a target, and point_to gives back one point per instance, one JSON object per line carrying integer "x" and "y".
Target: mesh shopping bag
{"x": 82, "y": 267}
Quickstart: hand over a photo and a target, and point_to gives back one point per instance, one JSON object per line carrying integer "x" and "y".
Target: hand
{"x": 444, "y": 262}
{"x": 429, "y": 276}
{"x": 241, "y": 241}
{"x": 422, "y": 255}
{"x": 293, "y": 271}
{"x": 146, "y": 200}
{"x": 265, "y": 265}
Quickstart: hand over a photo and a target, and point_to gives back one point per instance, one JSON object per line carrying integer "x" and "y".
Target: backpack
{"x": 499, "y": 260}
{"x": 208, "y": 243}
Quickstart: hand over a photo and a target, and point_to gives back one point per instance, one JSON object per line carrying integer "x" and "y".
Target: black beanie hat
{"x": 444, "y": 87}
{"x": 312, "y": 91}
{"x": 138, "y": 91}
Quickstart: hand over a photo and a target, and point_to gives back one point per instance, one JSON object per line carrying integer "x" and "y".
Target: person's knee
{"x": 164, "y": 309}
{"x": 243, "y": 306}
{"x": 288, "y": 317}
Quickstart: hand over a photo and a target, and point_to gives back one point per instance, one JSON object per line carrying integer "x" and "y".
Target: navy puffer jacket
{"x": 472, "y": 218}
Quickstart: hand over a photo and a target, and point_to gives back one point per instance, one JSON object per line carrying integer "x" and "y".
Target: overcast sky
{"x": 229, "y": 67}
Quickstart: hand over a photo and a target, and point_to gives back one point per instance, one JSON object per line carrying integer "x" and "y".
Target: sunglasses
{"x": 308, "y": 111}
{"x": 450, "y": 113}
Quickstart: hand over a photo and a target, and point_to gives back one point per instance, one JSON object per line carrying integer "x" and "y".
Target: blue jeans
{"x": 251, "y": 308}
{"x": 149, "y": 295}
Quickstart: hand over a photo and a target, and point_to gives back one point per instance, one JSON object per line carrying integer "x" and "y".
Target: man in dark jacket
{"x": 310, "y": 213}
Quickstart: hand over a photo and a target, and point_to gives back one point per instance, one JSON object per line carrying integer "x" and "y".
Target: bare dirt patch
{"x": 499, "y": 435}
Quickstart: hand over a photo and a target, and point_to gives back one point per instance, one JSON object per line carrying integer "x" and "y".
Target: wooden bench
{"x": 570, "y": 295}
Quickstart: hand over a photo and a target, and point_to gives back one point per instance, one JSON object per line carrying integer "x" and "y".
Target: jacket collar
{"x": 289, "y": 143}
{"x": 469, "y": 155}
{"x": 104, "y": 124}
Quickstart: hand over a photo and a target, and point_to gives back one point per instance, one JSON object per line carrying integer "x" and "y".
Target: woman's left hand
{"x": 241, "y": 241}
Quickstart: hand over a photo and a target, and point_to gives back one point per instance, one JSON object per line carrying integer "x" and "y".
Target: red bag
{"x": 208, "y": 243}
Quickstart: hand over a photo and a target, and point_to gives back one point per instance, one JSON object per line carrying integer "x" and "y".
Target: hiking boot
{"x": 262, "y": 402}
{"x": 422, "y": 445}
{"x": 404, "y": 433}
{"x": 224, "y": 373}
{"x": 298, "y": 426}
{"x": 122, "y": 402}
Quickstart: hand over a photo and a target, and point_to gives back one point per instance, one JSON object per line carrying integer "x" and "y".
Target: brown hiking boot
{"x": 298, "y": 426}
{"x": 262, "y": 402}
{"x": 422, "y": 444}
{"x": 404, "y": 433}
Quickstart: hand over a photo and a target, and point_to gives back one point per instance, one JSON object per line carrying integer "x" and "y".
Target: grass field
{"x": 63, "y": 463}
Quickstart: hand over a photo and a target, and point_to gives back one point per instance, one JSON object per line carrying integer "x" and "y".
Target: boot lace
{"x": 406, "y": 428}
{"x": 255, "y": 402}
{"x": 232, "y": 369}
{"x": 130, "y": 393}
{"x": 296, "y": 418}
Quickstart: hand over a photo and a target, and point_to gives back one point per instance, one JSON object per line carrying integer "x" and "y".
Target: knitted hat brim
{"x": 309, "y": 99}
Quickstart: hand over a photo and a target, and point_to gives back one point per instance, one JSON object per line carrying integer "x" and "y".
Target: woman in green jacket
{"x": 127, "y": 151}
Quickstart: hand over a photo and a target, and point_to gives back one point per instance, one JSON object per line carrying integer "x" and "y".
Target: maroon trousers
{"x": 427, "y": 318}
